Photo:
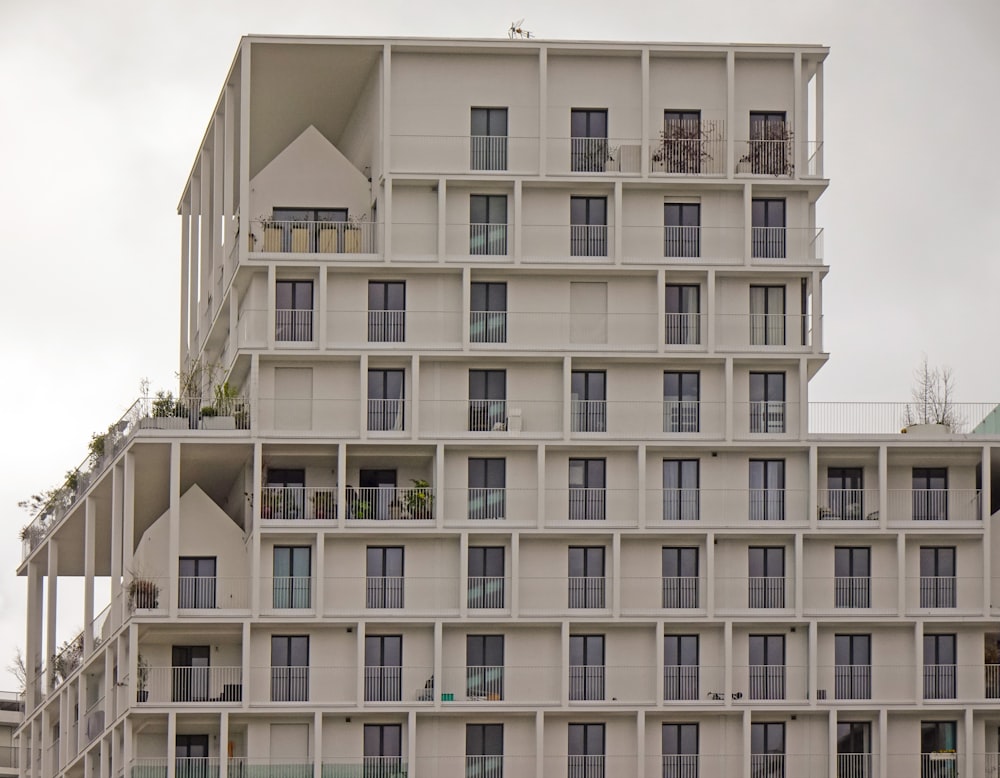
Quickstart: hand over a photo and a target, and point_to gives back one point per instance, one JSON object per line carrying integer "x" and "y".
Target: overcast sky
{"x": 105, "y": 101}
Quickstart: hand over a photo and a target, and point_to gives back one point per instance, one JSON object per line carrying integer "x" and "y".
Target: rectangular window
{"x": 770, "y": 148}
{"x": 767, "y": 667}
{"x": 292, "y": 583}
{"x": 767, "y": 402}
{"x": 586, "y": 667}
{"x": 680, "y": 576}
{"x": 585, "y": 751}
{"x": 386, "y": 311}
{"x": 383, "y": 747}
{"x": 767, "y": 749}
{"x": 587, "y": 489}
{"x": 484, "y": 750}
{"x": 488, "y": 139}
{"x": 487, "y": 400}
{"x": 680, "y": 667}
{"x": 293, "y": 311}
{"x": 484, "y": 667}
{"x": 386, "y": 404}
{"x": 588, "y": 218}
{"x": 937, "y": 577}
{"x": 939, "y": 667}
{"x": 487, "y": 487}
{"x": 487, "y": 577}
{"x": 683, "y": 315}
{"x": 196, "y": 582}
{"x": 767, "y": 315}
{"x": 853, "y": 671}
{"x": 768, "y": 228}
{"x": 383, "y": 668}
{"x": 681, "y": 495}
{"x": 488, "y": 312}
{"x": 384, "y": 586}
{"x": 488, "y": 225}
{"x": 681, "y": 401}
{"x": 767, "y": 489}
{"x": 190, "y": 673}
{"x": 586, "y": 577}
{"x": 852, "y": 576}
{"x": 683, "y": 149}
{"x": 766, "y": 568}
{"x": 938, "y": 749}
{"x": 845, "y": 492}
{"x": 682, "y": 230}
{"x": 680, "y": 750}
{"x": 930, "y": 494}
{"x": 589, "y": 149}
{"x": 590, "y": 400}
{"x": 289, "y": 668}
{"x": 854, "y": 749}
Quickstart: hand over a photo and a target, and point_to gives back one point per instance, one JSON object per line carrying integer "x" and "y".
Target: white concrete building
{"x": 517, "y": 475}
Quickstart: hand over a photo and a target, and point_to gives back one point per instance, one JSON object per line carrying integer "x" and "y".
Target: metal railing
{"x": 587, "y": 591}
{"x": 852, "y": 682}
{"x": 690, "y": 148}
{"x": 192, "y": 684}
{"x": 885, "y": 418}
{"x": 680, "y": 765}
{"x": 293, "y": 325}
{"x": 387, "y": 326}
{"x": 290, "y": 591}
{"x": 487, "y": 415}
{"x": 386, "y": 415}
{"x": 766, "y": 156}
{"x": 242, "y": 767}
{"x": 487, "y": 326}
{"x": 489, "y": 239}
{"x": 488, "y": 152}
{"x": 852, "y": 591}
{"x": 767, "y": 682}
{"x": 586, "y": 682}
{"x": 938, "y": 591}
{"x": 271, "y": 236}
{"x": 589, "y": 415}
{"x": 390, "y": 503}
{"x": 588, "y": 240}
{"x": 487, "y": 591}
{"x": 854, "y": 766}
{"x": 487, "y": 503}
{"x": 850, "y": 505}
{"x": 940, "y": 764}
{"x": 681, "y": 504}
{"x": 768, "y": 417}
{"x": 992, "y": 681}
{"x": 940, "y": 682}
{"x": 484, "y": 766}
{"x": 681, "y": 682}
{"x": 681, "y": 591}
{"x": 934, "y": 505}
{"x": 294, "y": 503}
{"x": 766, "y": 591}
{"x": 588, "y": 766}
{"x": 587, "y": 503}
{"x": 290, "y": 683}
{"x": 767, "y": 766}
{"x": 383, "y": 683}
{"x": 683, "y": 329}
{"x": 484, "y": 682}
{"x": 384, "y": 591}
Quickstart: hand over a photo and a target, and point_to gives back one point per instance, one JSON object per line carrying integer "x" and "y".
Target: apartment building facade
{"x": 514, "y": 470}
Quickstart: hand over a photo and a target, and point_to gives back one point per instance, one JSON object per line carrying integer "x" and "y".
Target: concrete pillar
{"x": 174, "y": 528}
{"x": 89, "y": 567}
{"x": 51, "y": 608}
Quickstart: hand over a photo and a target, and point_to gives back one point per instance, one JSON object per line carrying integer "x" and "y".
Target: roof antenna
{"x": 518, "y": 32}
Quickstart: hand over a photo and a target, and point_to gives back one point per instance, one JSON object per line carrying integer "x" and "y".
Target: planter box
{"x": 218, "y": 422}
{"x": 927, "y": 430}
{"x": 169, "y": 423}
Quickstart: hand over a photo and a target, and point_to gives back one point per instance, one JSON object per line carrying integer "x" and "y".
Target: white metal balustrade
{"x": 298, "y": 503}
{"x": 293, "y": 325}
{"x": 272, "y": 236}
{"x": 487, "y": 592}
{"x": 186, "y": 684}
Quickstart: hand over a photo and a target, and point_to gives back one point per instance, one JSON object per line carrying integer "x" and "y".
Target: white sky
{"x": 105, "y": 102}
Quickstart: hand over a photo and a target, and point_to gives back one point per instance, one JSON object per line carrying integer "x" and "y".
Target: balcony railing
{"x": 681, "y": 591}
{"x": 384, "y": 591}
{"x": 680, "y": 765}
{"x": 766, "y": 591}
{"x": 463, "y": 153}
{"x": 313, "y": 237}
{"x": 488, "y": 326}
{"x": 489, "y": 239}
{"x": 488, "y": 152}
{"x": 290, "y": 683}
{"x": 484, "y": 682}
{"x": 767, "y": 156}
{"x": 940, "y": 682}
{"x": 589, "y": 415}
{"x": 934, "y": 505}
{"x": 587, "y": 592}
{"x": 586, "y": 682}
{"x": 684, "y": 329}
{"x": 853, "y": 505}
{"x": 768, "y": 417}
{"x": 487, "y": 503}
{"x": 386, "y": 326}
{"x": 587, "y": 503}
{"x": 938, "y": 591}
{"x": 756, "y": 331}
{"x": 852, "y": 591}
{"x": 681, "y": 504}
{"x": 487, "y": 592}
{"x": 852, "y": 682}
{"x": 294, "y": 503}
{"x": 992, "y": 672}
{"x": 390, "y": 503}
{"x": 484, "y": 766}
{"x": 855, "y": 766}
{"x": 589, "y": 766}
{"x": 596, "y": 155}
{"x": 887, "y": 418}
{"x": 690, "y": 148}
{"x": 588, "y": 240}
{"x": 192, "y": 685}
{"x": 242, "y": 767}
{"x": 680, "y": 682}
{"x": 767, "y": 682}
{"x": 767, "y": 766}
{"x": 383, "y": 683}
{"x": 386, "y": 415}
{"x": 289, "y": 591}
{"x": 293, "y": 325}
{"x": 939, "y": 764}
{"x": 487, "y": 415}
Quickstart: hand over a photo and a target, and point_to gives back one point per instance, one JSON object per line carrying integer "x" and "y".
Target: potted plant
{"x": 143, "y": 593}
{"x": 33, "y": 534}
{"x": 770, "y": 154}
{"x": 221, "y": 414}
{"x": 169, "y": 413}
{"x": 681, "y": 148}
{"x": 69, "y": 657}
{"x": 142, "y": 679}
{"x": 419, "y": 500}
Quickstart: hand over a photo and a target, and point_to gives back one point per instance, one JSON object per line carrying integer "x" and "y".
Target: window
{"x": 767, "y": 749}
{"x": 939, "y": 667}
{"x": 488, "y": 139}
{"x": 683, "y": 148}
{"x": 586, "y": 489}
{"x": 767, "y": 489}
{"x": 767, "y": 667}
{"x": 586, "y": 751}
{"x": 767, "y": 402}
{"x": 484, "y": 667}
{"x": 938, "y": 738}
{"x": 293, "y": 311}
{"x": 487, "y": 400}
{"x": 586, "y": 577}
{"x": 682, "y": 230}
{"x": 588, "y": 140}
{"x": 386, "y": 403}
{"x": 852, "y": 576}
{"x": 680, "y": 750}
{"x": 484, "y": 750}
{"x": 766, "y": 566}
{"x": 305, "y": 230}
{"x": 770, "y": 148}
{"x": 487, "y": 576}
{"x": 854, "y": 749}
{"x": 191, "y": 756}
{"x": 488, "y": 225}
{"x": 680, "y": 576}
{"x": 292, "y": 587}
{"x": 488, "y": 312}
{"x": 937, "y": 577}
{"x": 683, "y": 315}
{"x": 844, "y": 494}
{"x": 289, "y": 668}
{"x": 853, "y": 672}
{"x": 196, "y": 582}
{"x": 930, "y": 494}
{"x": 189, "y": 673}
{"x": 487, "y": 487}
{"x": 589, "y": 389}
{"x": 680, "y": 667}
{"x": 285, "y": 495}
{"x": 768, "y": 228}
{"x": 386, "y": 311}
{"x": 586, "y": 667}
{"x": 588, "y": 218}
{"x": 681, "y": 397}
{"x": 384, "y": 587}
{"x": 767, "y": 315}
{"x": 383, "y": 668}
{"x": 680, "y": 490}
{"x": 383, "y": 744}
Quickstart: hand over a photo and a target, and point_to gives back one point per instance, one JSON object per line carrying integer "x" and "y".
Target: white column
{"x": 319, "y": 581}
{"x": 727, "y": 653}
{"x": 801, "y": 122}
{"x": 249, "y": 682}
{"x": 986, "y": 498}
{"x": 518, "y": 220}
{"x": 729, "y": 397}
{"x": 658, "y": 671}
{"x": 415, "y": 402}
{"x": 799, "y": 564}
{"x": 363, "y": 394}
{"x": 33, "y": 636}
{"x": 812, "y": 651}
{"x": 901, "y": 583}
{"x": 174, "y": 527}
{"x": 185, "y": 318}
{"x": 438, "y": 671}
{"x": 883, "y": 742}
{"x": 411, "y": 744}
{"x": 322, "y": 308}
{"x": 642, "y": 495}
{"x": 463, "y": 575}
{"x": 342, "y": 484}
{"x": 967, "y": 757}
{"x": 747, "y": 744}
{"x": 709, "y": 574}
{"x": 271, "y": 305}
{"x": 51, "y": 606}
{"x": 803, "y": 398}
{"x": 564, "y": 664}
{"x": 618, "y": 222}
{"x": 466, "y": 308}
{"x": 644, "y": 138}
{"x": 439, "y": 485}
{"x": 883, "y": 487}
{"x": 224, "y": 744}
{"x": 540, "y": 464}
{"x": 171, "y": 744}
{"x": 817, "y": 310}
{"x": 539, "y": 744}
{"x": 811, "y": 505}
{"x": 730, "y": 112}
{"x": 317, "y": 744}
{"x": 831, "y": 742}
{"x": 616, "y": 573}
{"x": 747, "y": 223}
{"x": 387, "y": 219}
{"x": 640, "y": 742}
{"x": 567, "y": 393}
{"x": 711, "y": 325}
{"x": 918, "y": 646}
{"x": 513, "y": 574}
{"x": 543, "y": 112}
{"x": 386, "y": 111}
{"x": 442, "y": 218}
{"x": 89, "y": 567}
{"x": 117, "y": 483}
{"x": 661, "y": 310}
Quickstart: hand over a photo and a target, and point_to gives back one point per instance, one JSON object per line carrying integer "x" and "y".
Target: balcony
{"x": 992, "y": 681}
{"x": 766, "y": 591}
{"x": 690, "y": 148}
{"x": 484, "y": 682}
{"x": 684, "y": 329}
{"x": 464, "y": 154}
{"x": 589, "y": 415}
{"x": 764, "y": 332}
{"x": 595, "y": 156}
{"x": 167, "y": 685}
{"x": 891, "y": 418}
{"x": 940, "y": 682}
{"x": 268, "y": 236}
{"x": 934, "y": 505}
{"x": 587, "y": 503}
{"x": 487, "y": 503}
{"x": 298, "y": 503}
{"x": 195, "y": 593}
{"x": 767, "y": 682}
{"x": 289, "y": 683}
{"x": 681, "y": 592}
{"x": 587, "y": 592}
{"x": 588, "y": 240}
{"x": 852, "y": 682}
{"x": 586, "y": 682}
{"x": 287, "y": 592}
{"x": 786, "y": 245}
{"x": 384, "y": 591}
{"x": 293, "y": 325}
{"x": 681, "y": 682}
{"x": 391, "y": 503}
{"x": 383, "y": 683}
{"x": 487, "y": 326}
{"x": 849, "y": 505}
{"x": 516, "y": 685}
{"x": 727, "y": 507}
{"x": 386, "y": 326}
{"x": 386, "y": 415}
{"x": 487, "y": 592}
